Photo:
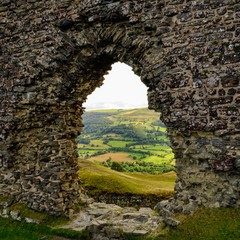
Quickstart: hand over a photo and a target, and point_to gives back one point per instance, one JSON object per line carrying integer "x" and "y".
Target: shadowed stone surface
{"x": 53, "y": 54}
{"x": 109, "y": 221}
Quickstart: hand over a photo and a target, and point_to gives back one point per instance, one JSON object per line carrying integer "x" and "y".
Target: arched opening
{"x": 124, "y": 148}
{"x": 52, "y": 63}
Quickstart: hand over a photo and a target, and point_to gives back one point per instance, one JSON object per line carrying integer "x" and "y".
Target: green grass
{"x": 94, "y": 144}
{"x": 209, "y": 224}
{"x": 3, "y": 199}
{"x": 118, "y": 144}
{"x": 99, "y": 179}
{"x": 87, "y": 153}
{"x": 156, "y": 148}
{"x": 162, "y": 138}
{"x": 42, "y": 217}
{"x": 12, "y": 230}
{"x": 26, "y": 212}
{"x": 90, "y": 151}
{"x": 148, "y": 147}
{"x": 141, "y": 114}
{"x": 156, "y": 160}
{"x": 204, "y": 224}
{"x": 159, "y": 153}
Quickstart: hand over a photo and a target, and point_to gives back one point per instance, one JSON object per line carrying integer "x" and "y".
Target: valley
{"x": 126, "y": 152}
{"x": 135, "y": 140}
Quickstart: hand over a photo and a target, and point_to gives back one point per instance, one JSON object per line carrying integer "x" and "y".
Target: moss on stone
{"x": 26, "y": 212}
{"x": 3, "y": 198}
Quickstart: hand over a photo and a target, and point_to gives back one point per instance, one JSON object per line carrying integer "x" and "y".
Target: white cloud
{"x": 121, "y": 89}
{"x": 114, "y": 105}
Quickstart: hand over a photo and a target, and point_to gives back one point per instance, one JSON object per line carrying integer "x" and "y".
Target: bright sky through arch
{"x": 122, "y": 89}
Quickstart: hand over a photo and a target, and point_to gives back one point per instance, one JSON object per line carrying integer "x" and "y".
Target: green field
{"x": 15, "y": 230}
{"x": 136, "y": 132}
{"x": 118, "y": 143}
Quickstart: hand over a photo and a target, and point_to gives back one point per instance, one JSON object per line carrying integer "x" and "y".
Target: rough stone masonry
{"x": 54, "y": 53}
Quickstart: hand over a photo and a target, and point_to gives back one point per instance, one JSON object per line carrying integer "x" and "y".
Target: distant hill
{"x": 133, "y": 124}
{"x": 126, "y": 152}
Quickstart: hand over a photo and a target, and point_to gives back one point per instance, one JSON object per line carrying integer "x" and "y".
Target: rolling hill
{"x": 133, "y": 135}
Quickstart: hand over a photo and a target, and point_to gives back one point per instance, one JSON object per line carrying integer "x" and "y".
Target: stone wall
{"x": 54, "y": 53}
{"x": 130, "y": 200}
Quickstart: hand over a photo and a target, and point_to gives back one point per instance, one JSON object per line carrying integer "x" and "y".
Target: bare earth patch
{"x": 115, "y": 157}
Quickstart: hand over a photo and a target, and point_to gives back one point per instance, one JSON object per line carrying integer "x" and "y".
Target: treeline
{"x": 124, "y": 130}
{"x": 143, "y": 154}
{"x": 139, "y": 166}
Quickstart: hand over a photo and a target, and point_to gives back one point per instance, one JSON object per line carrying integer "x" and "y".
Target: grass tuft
{"x": 47, "y": 219}
{"x": 204, "y": 224}
{"x": 12, "y": 230}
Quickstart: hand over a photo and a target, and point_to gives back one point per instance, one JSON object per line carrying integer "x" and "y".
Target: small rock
{"x": 31, "y": 220}
{"x": 165, "y": 213}
{"x": 189, "y": 208}
{"x": 215, "y": 205}
{"x": 112, "y": 232}
{"x": 5, "y": 213}
{"x": 140, "y": 232}
{"x": 15, "y": 215}
{"x": 114, "y": 222}
{"x": 178, "y": 208}
{"x": 171, "y": 222}
{"x": 136, "y": 216}
{"x": 99, "y": 237}
{"x": 147, "y": 211}
{"x": 162, "y": 204}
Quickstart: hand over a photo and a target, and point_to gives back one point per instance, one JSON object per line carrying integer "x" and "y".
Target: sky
{"x": 121, "y": 89}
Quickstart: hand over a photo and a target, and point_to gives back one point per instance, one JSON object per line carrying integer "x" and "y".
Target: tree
{"x": 117, "y": 167}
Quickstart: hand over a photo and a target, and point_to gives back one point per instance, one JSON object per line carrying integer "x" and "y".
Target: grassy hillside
{"x": 99, "y": 179}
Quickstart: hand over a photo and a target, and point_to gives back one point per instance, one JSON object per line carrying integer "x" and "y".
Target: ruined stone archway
{"x": 55, "y": 53}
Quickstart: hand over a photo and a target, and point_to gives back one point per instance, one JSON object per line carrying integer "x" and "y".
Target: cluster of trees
{"x": 139, "y": 166}
{"x": 95, "y": 123}
{"x": 82, "y": 140}
{"x": 125, "y": 131}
